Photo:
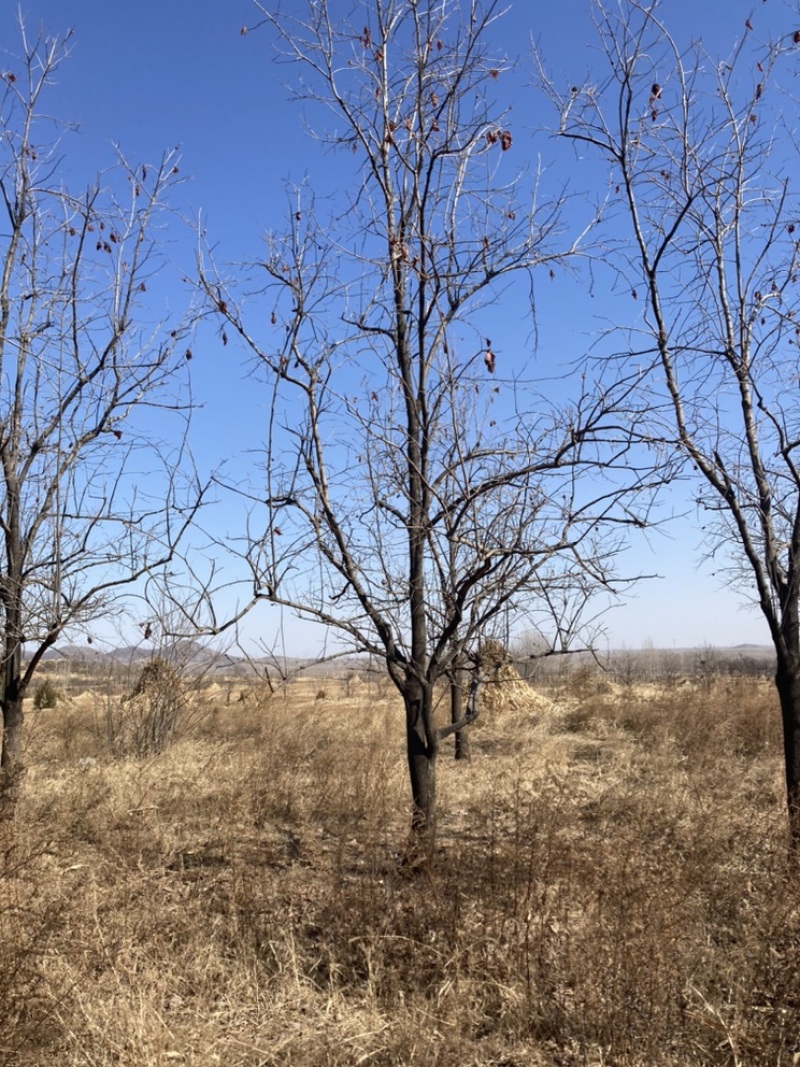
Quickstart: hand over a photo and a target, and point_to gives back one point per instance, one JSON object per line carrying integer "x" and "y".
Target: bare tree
{"x": 415, "y": 488}
{"x": 89, "y": 500}
{"x": 705, "y": 232}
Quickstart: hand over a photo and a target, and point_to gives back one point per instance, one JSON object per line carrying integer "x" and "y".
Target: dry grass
{"x": 611, "y": 888}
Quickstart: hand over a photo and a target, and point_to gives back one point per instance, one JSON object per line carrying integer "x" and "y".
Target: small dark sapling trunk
{"x": 463, "y": 748}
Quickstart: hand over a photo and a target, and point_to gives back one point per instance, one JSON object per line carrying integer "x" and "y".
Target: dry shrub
{"x": 47, "y": 695}
{"x": 148, "y": 718}
{"x": 735, "y": 717}
{"x": 612, "y": 887}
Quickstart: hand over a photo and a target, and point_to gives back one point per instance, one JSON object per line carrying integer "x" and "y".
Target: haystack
{"x": 504, "y": 689}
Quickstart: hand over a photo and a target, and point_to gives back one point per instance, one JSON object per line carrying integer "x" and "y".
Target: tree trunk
{"x": 787, "y": 680}
{"x": 422, "y": 752}
{"x": 457, "y": 686}
{"x": 11, "y": 766}
{"x": 11, "y": 703}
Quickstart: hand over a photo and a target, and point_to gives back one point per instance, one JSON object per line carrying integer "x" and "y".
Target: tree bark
{"x": 463, "y": 750}
{"x": 11, "y": 699}
{"x": 787, "y": 681}
{"x": 422, "y": 753}
{"x": 11, "y": 765}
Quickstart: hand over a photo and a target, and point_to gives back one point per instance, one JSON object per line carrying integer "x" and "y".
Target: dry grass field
{"x": 611, "y": 886}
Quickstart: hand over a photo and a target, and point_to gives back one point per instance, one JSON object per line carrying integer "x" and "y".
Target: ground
{"x": 611, "y": 887}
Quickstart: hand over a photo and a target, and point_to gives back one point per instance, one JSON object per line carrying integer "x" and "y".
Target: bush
{"x": 46, "y": 695}
{"x": 148, "y": 718}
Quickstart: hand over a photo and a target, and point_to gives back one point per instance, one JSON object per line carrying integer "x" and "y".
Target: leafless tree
{"x": 705, "y": 231}
{"x": 416, "y": 488}
{"x": 89, "y": 500}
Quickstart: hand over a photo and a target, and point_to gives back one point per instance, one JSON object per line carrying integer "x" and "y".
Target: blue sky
{"x": 161, "y": 73}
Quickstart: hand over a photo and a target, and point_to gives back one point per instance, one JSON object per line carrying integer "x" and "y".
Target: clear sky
{"x": 160, "y": 73}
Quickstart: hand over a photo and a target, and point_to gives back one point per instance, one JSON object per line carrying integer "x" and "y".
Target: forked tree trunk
{"x": 422, "y": 751}
{"x": 787, "y": 681}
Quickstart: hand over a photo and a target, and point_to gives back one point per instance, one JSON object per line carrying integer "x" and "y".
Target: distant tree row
{"x": 660, "y": 666}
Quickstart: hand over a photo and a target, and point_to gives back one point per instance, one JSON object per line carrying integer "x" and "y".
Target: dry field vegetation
{"x": 611, "y": 887}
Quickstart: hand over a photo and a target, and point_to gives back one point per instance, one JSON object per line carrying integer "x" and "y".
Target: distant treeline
{"x": 662, "y": 666}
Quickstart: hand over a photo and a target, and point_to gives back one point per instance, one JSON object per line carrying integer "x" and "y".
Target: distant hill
{"x": 194, "y": 656}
